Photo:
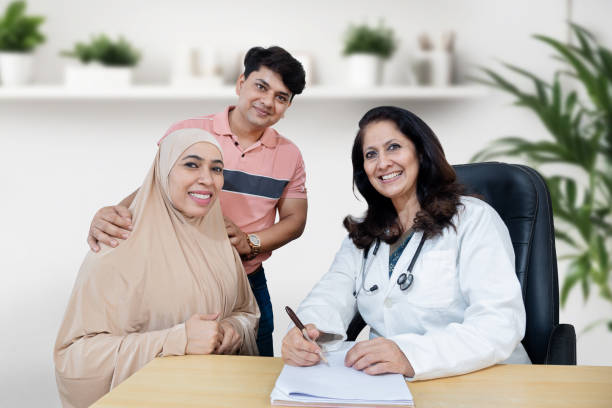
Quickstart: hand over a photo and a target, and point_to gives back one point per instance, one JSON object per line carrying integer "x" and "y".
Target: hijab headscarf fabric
{"x": 130, "y": 303}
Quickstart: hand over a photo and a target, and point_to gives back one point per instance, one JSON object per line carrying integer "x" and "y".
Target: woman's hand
{"x": 378, "y": 356}
{"x": 297, "y": 351}
{"x": 204, "y": 334}
{"x": 232, "y": 340}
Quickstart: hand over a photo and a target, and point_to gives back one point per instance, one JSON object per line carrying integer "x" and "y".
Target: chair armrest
{"x": 562, "y": 345}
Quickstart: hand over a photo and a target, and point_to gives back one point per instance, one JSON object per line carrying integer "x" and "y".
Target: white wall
{"x": 61, "y": 161}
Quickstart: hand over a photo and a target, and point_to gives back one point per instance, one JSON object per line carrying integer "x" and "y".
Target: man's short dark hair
{"x": 280, "y": 61}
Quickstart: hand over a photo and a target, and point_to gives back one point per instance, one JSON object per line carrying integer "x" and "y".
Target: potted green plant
{"x": 102, "y": 63}
{"x": 579, "y": 122}
{"x": 365, "y": 48}
{"x": 19, "y": 35}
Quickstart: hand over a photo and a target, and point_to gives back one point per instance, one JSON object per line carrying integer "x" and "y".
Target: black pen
{"x": 301, "y": 327}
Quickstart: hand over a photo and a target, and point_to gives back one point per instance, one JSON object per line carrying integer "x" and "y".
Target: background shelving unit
{"x": 165, "y": 92}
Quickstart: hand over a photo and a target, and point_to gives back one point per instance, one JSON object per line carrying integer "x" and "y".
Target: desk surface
{"x": 232, "y": 381}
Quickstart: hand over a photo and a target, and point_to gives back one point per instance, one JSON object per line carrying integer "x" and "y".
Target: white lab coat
{"x": 463, "y": 312}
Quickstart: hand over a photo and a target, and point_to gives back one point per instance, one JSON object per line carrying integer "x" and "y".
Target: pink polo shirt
{"x": 255, "y": 178}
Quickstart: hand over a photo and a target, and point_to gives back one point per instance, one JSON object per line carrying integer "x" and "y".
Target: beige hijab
{"x": 130, "y": 303}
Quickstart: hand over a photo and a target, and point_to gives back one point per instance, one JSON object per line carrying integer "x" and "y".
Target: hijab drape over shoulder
{"x": 130, "y": 303}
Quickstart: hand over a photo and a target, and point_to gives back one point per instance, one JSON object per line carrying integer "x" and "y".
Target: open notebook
{"x": 336, "y": 386}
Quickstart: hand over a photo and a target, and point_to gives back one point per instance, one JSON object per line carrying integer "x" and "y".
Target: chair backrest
{"x": 520, "y": 196}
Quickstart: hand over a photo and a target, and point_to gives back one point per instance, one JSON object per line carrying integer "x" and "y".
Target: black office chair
{"x": 520, "y": 196}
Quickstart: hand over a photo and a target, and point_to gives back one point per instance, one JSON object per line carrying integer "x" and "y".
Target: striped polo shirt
{"x": 255, "y": 178}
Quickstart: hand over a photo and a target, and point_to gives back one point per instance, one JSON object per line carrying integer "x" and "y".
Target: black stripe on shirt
{"x": 245, "y": 183}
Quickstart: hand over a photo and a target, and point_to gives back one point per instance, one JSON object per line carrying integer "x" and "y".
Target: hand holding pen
{"x": 299, "y": 347}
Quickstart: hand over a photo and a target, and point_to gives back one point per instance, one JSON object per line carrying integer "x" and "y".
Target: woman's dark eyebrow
{"x": 387, "y": 143}
{"x": 391, "y": 141}
{"x": 196, "y": 157}
{"x": 193, "y": 156}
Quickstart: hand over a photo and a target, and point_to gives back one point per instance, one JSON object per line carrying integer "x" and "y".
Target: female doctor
{"x": 430, "y": 270}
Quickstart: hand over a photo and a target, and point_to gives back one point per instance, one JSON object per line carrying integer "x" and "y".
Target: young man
{"x": 264, "y": 173}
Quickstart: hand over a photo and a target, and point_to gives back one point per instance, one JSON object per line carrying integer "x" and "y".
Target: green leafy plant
{"x": 579, "y": 122}
{"x": 377, "y": 40}
{"x": 107, "y": 52}
{"x": 18, "y": 32}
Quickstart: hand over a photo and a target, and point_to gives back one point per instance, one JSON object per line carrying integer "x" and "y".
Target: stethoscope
{"x": 404, "y": 281}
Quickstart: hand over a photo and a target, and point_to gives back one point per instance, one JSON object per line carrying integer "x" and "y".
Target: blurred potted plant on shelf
{"x": 19, "y": 35}
{"x": 580, "y": 125}
{"x": 365, "y": 48}
{"x": 103, "y": 63}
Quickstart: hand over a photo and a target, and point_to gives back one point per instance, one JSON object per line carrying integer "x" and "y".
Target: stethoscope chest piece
{"x": 405, "y": 280}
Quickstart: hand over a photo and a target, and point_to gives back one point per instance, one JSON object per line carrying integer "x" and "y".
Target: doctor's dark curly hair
{"x": 438, "y": 191}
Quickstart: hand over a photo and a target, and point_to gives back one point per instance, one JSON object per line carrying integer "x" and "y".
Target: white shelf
{"x": 394, "y": 92}
{"x": 169, "y": 93}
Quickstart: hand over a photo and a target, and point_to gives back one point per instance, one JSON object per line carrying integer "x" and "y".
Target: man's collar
{"x": 269, "y": 138}
{"x": 221, "y": 126}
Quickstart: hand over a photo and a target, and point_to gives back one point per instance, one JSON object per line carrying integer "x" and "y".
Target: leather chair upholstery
{"x": 520, "y": 196}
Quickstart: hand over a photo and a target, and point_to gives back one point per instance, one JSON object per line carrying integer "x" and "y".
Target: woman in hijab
{"x": 175, "y": 287}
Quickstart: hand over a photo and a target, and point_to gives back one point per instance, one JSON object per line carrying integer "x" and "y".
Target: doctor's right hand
{"x": 297, "y": 351}
{"x": 109, "y": 224}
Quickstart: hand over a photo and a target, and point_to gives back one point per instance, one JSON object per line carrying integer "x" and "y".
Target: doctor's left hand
{"x": 378, "y": 356}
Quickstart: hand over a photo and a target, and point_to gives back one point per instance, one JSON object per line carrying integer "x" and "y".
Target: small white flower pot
{"x": 364, "y": 70}
{"x": 97, "y": 76}
{"x": 16, "y": 68}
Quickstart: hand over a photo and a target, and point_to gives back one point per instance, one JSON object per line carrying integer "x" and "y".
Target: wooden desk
{"x": 236, "y": 382}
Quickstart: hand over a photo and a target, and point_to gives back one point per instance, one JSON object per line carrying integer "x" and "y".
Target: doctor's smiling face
{"x": 196, "y": 179}
{"x": 399, "y": 167}
{"x": 390, "y": 160}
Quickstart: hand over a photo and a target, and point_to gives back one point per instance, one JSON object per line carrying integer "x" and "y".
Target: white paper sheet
{"x": 337, "y": 383}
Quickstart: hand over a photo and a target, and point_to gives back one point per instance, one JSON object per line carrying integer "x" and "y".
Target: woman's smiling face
{"x": 196, "y": 179}
{"x": 390, "y": 160}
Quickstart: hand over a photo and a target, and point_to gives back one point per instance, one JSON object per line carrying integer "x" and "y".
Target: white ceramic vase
{"x": 196, "y": 66}
{"x": 433, "y": 67}
{"x": 97, "y": 76}
{"x": 15, "y": 68}
{"x": 364, "y": 70}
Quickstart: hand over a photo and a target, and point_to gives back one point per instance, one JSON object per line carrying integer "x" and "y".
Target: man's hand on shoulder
{"x": 108, "y": 225}
{"x": 237, "y": 237}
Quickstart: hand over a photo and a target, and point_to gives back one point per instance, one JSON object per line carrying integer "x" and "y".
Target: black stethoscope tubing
{"x": 404, "y": 281}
